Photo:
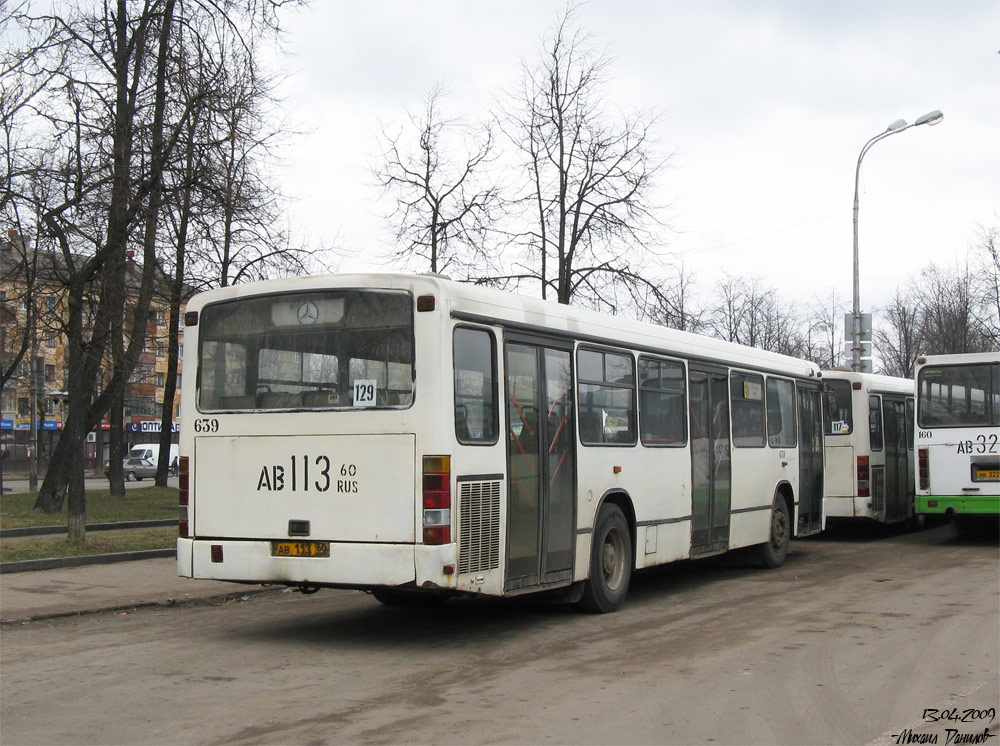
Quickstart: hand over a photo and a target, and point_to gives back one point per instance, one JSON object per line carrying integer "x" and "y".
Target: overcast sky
{"x": 766, "y": 108}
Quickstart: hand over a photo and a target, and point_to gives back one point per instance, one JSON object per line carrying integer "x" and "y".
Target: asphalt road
{"x": 861, "y": 637}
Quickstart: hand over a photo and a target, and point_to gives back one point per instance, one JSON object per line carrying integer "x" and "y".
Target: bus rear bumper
{"x": 959, "y": 504}
{"x": 349, "y": 564}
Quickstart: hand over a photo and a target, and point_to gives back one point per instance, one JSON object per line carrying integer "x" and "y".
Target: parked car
{"x": 137, "y": 469}
{"x": 142, "y": 460}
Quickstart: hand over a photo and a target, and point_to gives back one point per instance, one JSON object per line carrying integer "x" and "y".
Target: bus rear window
{"x": 318, "y": 350}
{"x": 959, "y": 395}
{"x": 837, "y": 418}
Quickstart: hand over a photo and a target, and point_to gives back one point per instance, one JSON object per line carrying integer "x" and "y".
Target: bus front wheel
{"x": 610, "y": 562}
{"x": 773, "y": 551}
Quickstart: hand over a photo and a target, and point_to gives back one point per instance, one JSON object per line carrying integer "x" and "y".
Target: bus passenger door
{"x": 810, "y": 461}
{"x": 897, "y": 497}
{"x": 711, "y": 469}
{"x": 541, "y": 461}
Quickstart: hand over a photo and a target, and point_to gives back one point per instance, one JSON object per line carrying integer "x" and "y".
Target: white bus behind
{"x": 869, "y": 446}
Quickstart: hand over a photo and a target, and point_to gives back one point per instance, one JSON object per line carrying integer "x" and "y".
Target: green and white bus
{"x": 416, "y": 437}
{"x": 958, "y": 437}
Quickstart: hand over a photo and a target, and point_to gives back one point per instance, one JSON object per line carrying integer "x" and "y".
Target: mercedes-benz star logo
{"x": 308, "y": 313}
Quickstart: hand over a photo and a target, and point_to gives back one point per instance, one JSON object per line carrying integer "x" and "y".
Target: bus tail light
{"x": 924, "y": 464}
{"x": 437, "y": 499}
{"x": 183, "y": 497}
{"x": 864, "y": 489}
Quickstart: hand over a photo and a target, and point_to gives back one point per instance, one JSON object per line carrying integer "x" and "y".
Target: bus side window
{"x": 661, "y": 402}
{"x": 747, "y": 393}
{"x": 474, "y": 358}
{"x": 606, "y": 382}
{"x": 780, "y": 413}
{"x": 875, "y": 423}
{"x": 909, "y": 424}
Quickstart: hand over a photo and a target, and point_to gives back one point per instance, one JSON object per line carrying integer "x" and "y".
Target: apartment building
{"x": 41, "y": 375}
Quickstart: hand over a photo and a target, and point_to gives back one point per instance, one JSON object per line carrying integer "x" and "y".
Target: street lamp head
{"x": 931, "y": 118}
{"x": 897, "y": 125}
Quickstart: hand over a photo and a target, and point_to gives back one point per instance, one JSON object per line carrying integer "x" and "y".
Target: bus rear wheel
{"x": 610, "y": 562}
{"x": 773, "y": 551}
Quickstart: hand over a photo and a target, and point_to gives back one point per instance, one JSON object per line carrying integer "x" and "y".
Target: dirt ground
{"x": 863, "y": 636}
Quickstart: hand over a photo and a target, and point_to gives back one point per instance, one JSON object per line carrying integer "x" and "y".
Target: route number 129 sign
{"x": 364, "y": 393}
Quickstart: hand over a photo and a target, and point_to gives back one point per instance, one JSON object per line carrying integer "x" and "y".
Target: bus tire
{"x": 610, "y": 562}
{"x": 773, "y": 551}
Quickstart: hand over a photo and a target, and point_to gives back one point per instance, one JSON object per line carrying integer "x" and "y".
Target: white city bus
{"x": 958, "y": 428}
{"x": 869, "y": 446}
{"x": 416, "y": 437}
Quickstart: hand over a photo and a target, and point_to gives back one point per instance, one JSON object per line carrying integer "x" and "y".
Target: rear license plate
{"x": 300, "y": 549}
{"x": 988, "y": 475}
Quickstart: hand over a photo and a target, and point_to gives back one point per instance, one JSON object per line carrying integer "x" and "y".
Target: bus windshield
{"x": 327, "y": 350}
{"x": 959, "y": 395}
{"x": 837, "y": 400}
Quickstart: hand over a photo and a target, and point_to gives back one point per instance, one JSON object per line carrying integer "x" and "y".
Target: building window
{"x": 161, "y": 349}
{"x": 159, "y": 316}
{"x": 160, "y": 379}
{"x": 143, "y": 405}
{"x": 50, "y": 373}
{"x": 52, "y": 340}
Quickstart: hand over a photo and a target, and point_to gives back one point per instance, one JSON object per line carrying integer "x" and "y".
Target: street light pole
{"x": 900, "y": 125}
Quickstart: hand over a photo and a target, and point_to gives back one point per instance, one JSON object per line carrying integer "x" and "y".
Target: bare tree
{"x": 110, "y": 117}
{"x": 240, "y": 230}
{"x": 671, "y": 301}
{"x": 588, "y": 172}
{"x": 442, "y": 207}
{"x": 943, "y": 311}
{"x": 825, "y": 331}
{"x": 899, "y": 337}
{"x": 948, "y": 311}
{"x": 754, "y": 315}
{"x": 986, "y": 284}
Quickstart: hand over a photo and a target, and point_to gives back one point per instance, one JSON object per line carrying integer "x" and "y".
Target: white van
{"x": 143, "y": 458}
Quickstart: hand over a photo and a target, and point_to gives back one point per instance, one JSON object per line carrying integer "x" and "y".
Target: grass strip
{"x": 139, "y": 504}
{"x": 104, "y": 542}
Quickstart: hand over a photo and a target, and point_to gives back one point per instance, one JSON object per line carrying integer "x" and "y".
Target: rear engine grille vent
{"x": 478, "y": 526}
{"x": 878, "y": 488}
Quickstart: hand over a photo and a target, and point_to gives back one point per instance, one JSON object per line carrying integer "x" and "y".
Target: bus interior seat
{"x": 590, "y": 427}
{"x": 279, "y": 400}
{"x": 319, "y": 398}
{"x": 243, "y": 401}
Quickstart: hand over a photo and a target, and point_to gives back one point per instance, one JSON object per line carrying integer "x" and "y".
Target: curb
{"x": 10, "y": 533}
{"x": 166, "y": 603}
{"x": 91, "y": 559}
